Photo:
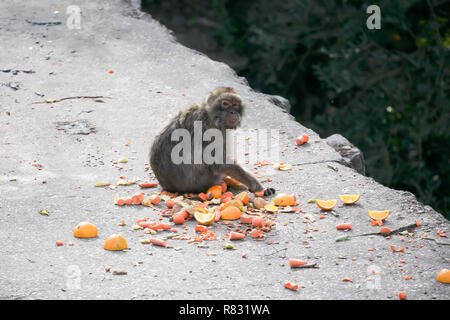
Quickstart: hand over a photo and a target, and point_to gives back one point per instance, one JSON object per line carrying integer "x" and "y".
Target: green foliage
{"x": 386, "y": 90}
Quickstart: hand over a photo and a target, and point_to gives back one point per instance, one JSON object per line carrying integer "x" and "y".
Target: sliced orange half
{"x": 231, "y": 213}
{"x": 284, "y": 199}
{"x": 444, "y": 276}
{"x": 204, "y": 218}
{"x": 115, "y": 242}
{"x": 326, "y": 204}
{"x": 349, "y": 198}
{"x": 378, "y": 215}
{"x": 85, "y": 230}
{"x": 216, "y": 191}
{"x": 234, "y": 203}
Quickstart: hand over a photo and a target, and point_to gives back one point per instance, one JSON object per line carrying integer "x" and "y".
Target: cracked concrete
{"x": 154, "y": 77}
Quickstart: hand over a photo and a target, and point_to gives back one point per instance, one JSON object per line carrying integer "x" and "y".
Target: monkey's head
{"x": 225, "y": 108}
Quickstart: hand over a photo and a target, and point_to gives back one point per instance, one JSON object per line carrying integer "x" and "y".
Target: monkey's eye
{"x": 225, "y": 103}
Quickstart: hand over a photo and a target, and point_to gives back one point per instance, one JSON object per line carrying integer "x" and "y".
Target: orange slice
{"x": 284, "y": 199}
{"x": 85, "y": 230}
{"x": 115, "y": 242}
{"x": 326, "y": 204}
{"x": 349, "y": 198}
{"x": 270, "y": 208}
{"x": 231, "y": 213}
{"x": 378, "y": 215}
{"x": 444, "y": 276}
{"x": 204, "y": 218}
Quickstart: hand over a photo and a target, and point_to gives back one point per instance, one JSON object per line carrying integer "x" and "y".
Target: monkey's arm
{"x": 237, "y": 172}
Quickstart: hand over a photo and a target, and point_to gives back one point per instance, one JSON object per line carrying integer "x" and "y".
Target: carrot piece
{"x": 347, "y": 280}
{"x": 147, "y": 185}
{"x": 154, "y": 199}
{"x": 385, "y": 230}
{"x": 120, "y": 202}
{"x": 158, "y": 242}
{"x": 245, "y": 218}
{"x": 178, "y": 218}
{"x": 236, "y": 235}
{"x": 374, "y": 222}
{"x": 59, "y": 243}
{"x": 200, "y": 228}
{"x": 227, "y": 196}
{"x": 301, "y": 140}
{"x": 258, "y": 222}
{"x": 402, "y": 295}
{"x": 418, "y": 223}
{"x": 203, "y": 196}
{"x": 255, "y": 233}
{"x": 218, "y": 214}
{"x": 397, "y": 250}
{"x": 295, "y": 263}
{"x": 137, "y": 198}
{"x": 141, "y": 220}
{"x": 344, "y": 226}
{"x": 170, "y": 203}
{"x": 145, "y": 224}
{"x": 259, "y": 193}
{"x": 291, "y": 286}
{"x": 162, "y": 226}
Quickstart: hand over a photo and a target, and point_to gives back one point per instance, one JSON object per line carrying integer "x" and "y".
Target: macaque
{"x": 222, "y": 110}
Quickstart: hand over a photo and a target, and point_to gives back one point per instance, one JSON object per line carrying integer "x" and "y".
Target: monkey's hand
{"x": 265, "y": 193}
{"x": 269, "y": 192}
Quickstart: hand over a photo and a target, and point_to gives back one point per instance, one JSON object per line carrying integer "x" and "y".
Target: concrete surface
{"x": 154, "y": 77}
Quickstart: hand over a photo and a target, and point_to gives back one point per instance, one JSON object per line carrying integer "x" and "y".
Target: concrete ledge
{"x": 155, "y": 77}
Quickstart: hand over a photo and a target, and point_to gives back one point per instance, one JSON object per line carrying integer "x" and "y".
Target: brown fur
{"x": 199, "y": 177}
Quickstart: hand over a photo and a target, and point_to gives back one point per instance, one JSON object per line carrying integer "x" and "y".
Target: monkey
{"x": 222, "y": 110}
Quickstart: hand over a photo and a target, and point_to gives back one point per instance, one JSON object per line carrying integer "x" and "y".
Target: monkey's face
{"x": 227, "y": 113}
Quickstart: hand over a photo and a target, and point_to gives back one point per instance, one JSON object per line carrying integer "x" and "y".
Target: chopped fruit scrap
{"x": 236, "y": 236}
{"x": 291, "y": 286}
{"x": 344, "y": 226}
